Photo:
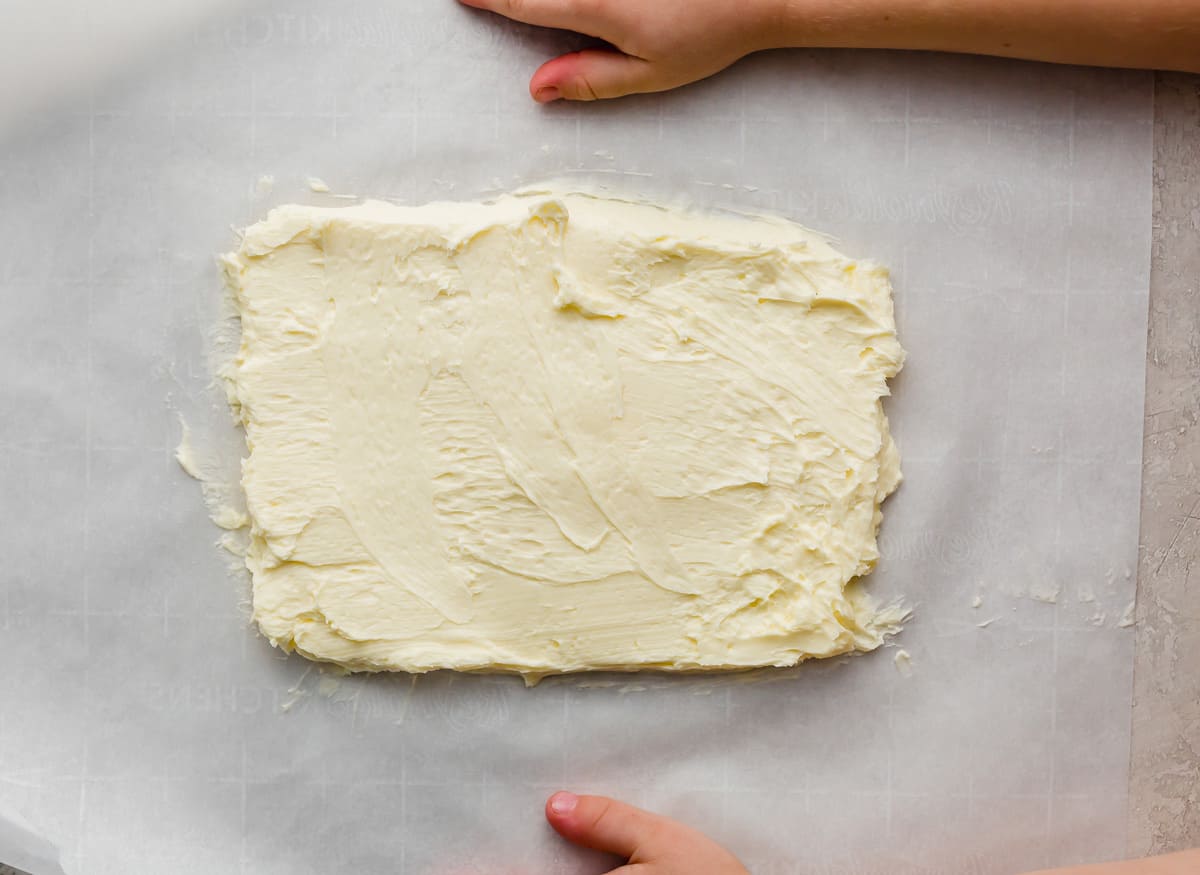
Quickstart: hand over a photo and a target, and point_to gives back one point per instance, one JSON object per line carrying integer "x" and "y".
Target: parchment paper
{"x": 146, "y": 727}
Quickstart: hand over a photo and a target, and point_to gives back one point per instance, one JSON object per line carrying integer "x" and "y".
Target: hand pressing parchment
{"x": 652, "y": 844}
{"x": 657, "y": 845}
{"x": 662, "y": 44}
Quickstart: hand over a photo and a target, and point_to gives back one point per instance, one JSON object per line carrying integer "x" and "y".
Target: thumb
{"x": 592, "y": 74}
{"x": 605, "y": 824}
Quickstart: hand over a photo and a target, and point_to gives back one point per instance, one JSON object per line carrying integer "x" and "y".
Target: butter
{"x": 185, "y": 453}
{"x": 558, "y": 432}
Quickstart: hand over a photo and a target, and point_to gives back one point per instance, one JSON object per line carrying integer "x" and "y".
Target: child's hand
{"x": 653, "y": 845}
{"x": 656, "y": 845}
{"x": 662, "y": 44}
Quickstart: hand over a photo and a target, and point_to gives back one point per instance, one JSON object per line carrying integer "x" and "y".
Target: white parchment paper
{"x": 144, "y": 725}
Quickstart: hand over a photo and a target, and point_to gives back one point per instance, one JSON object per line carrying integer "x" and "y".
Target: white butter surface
{"x": 557, "y": 432}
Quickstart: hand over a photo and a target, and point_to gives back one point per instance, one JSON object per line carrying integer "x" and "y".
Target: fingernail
{"x": 563, "y": 803}
{"x": 546, "y": 94}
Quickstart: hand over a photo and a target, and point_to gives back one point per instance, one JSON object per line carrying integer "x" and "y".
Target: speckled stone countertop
{"x": 1164, "y": 780}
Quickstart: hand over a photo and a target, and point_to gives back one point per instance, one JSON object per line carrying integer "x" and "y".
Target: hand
{"x": 652, "y": 844}
{"x": 660, "y": 45}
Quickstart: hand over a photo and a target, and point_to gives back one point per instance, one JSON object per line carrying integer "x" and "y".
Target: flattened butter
{"x": 557, "y": 432}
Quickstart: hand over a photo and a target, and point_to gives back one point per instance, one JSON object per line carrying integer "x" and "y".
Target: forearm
{"x": 1161, "y": 34}
{"x": 1186, "y": 863}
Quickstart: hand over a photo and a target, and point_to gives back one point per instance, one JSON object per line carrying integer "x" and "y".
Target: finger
{"x": 576, "y": 15}
{"x": 592, "y": 74}
{"x": 605, "y": 824}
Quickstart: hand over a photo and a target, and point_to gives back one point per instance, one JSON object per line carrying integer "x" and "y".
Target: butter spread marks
{"x": 556, "y": 432}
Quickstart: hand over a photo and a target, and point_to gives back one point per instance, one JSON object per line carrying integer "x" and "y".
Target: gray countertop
{"x": 1164, "y": 781}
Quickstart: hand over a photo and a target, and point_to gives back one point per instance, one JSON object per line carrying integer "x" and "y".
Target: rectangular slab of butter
{"x": 557, "y": 432}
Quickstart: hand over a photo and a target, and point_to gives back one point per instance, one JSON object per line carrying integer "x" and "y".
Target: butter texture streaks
{"x": 557, "y": 432}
